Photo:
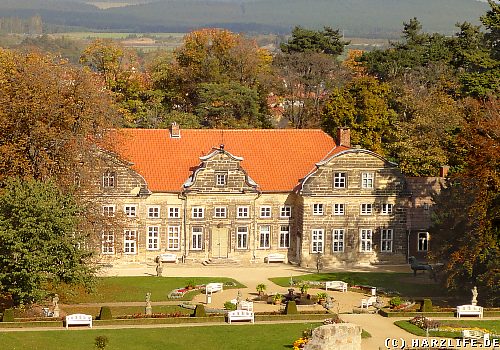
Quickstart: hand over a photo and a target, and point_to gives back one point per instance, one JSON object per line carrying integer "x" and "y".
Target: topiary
{"x": 199, "y": 311}
{"x": 8, "y": 315}
{"x": 105, "y": 313}
{"x": 291, "y": 308}
{"x": 101, "y": 341}
{"x": 229, "y": 306}
{"x": 426, "y": 305}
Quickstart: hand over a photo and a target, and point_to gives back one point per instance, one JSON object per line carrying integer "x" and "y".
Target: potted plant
{"x": 261, "y": 288}
{"x": 321, "y": 297}
{"x": 190, "y": 285}
{"x": 277, "y": 298}
{"x": 304, "y": 287}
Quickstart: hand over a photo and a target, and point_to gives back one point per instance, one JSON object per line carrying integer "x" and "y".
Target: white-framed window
{"x": 318, "y": 209}
{"x": 386, "y": 239}
{"x": 365, "y": 237}
{"x": 366, "y": 209}
{"x": 174, "y": 212}
{"x": 242, "y": 237}
{"x": 129, "y": 242}
{"x": 220, "y": 179}
{"x": 109, "y": 179}
{"x": 108, "y": 210}
{"x": 242, "y": 212}
{"x": 108, "y": 242}
{"x": 153, "y": 242}
{"x": 340, "y": 180}
{"x": 154, "y": 212}
{"x": 367, "y": 180}
{"x": 197, "y": 238}
{"x": 220, "y": 212}
{"x": 197, "y": 212}
{"x": 173, "y": 237}
{"x": 338, "y": 240}
{"x": 423, "y": 241}
{"x": 130, "y": 210}
{"x": 284, "y": 241}
{"x": 317, "y": 240}
{"x": 339, "y": 209}
{"x": 264, "y": 236}
{"x": 265, "y": 212}
{"x": 386, "y": 209}
{"x": 286, "y": 211}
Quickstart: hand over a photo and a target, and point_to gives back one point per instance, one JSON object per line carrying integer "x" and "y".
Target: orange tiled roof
{"x": 276, "y": 159}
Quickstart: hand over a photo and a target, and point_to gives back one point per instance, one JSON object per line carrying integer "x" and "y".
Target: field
{"x": 248, "y": 337}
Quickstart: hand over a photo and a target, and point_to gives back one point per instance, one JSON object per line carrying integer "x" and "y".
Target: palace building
{"x": 244, "y": 194}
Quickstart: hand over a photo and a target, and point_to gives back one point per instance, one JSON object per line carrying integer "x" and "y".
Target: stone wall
{"x": 340, "y": 336}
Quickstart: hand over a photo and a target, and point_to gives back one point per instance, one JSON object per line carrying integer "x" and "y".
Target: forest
{"x": 356, "y": 18}
{"x": 426, "y": 101}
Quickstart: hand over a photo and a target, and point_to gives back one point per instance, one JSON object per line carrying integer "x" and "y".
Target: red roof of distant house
{"x": 276, "y": 159}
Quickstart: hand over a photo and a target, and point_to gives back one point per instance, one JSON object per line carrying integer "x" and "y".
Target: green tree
{"x": 40, "y": 245}
{"x": 328, "y": 41}
{"x": 362, "y": 105}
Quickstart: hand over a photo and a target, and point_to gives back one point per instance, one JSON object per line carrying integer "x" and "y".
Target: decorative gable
{"x": 220, "y": 172}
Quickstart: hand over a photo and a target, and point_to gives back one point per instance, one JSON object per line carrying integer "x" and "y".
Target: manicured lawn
{"x": 124, "y": 289}
{"x": 492, "y": 326}
{"x": 399, "y": 282}
{"x": 226, "y": 337}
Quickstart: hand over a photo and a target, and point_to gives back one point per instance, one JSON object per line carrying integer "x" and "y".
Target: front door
{"x": 219, "y": 242}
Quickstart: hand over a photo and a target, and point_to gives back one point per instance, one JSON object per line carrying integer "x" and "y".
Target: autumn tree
{"x": 466, "y": 230}
{"x": 40, "y": 244}
{"x": 211, "y": 56}
{"x": 48, "y": 111}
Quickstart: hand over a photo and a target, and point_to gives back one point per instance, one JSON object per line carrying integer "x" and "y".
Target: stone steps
{"x": 221, "y": 262}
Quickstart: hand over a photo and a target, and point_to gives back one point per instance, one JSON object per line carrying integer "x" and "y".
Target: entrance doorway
{"x": 219, "y": 242}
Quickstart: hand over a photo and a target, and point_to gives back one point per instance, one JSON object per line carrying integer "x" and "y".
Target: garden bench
{"x": 336, "y": 285}
{"x": 240, "y": 315}
{"x": 246, "y": 305}
{"x": 167, "y": 257}
{"x": 365, "y": 303}
{"x": 275, "y": 257}
{"x": 78, "y": 320}
{"x": 214, "y": 287}
{"x": 472, "y": 310}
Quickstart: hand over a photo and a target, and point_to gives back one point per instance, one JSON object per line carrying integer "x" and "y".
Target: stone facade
{"x": 352, "y": 208}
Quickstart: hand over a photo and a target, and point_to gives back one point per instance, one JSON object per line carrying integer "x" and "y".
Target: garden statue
{"x": 159, "y": 269}
{"x": 149, "y": 309}
{"x": 55, "y": 304}
{"x": 474, "y": 296}
{"x": 415, "y": 266}
{"x": 238, "y": 300}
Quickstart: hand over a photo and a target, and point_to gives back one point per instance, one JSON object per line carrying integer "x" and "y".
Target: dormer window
{"x": 109, "y": 179}
{"x": 220, "y": 179}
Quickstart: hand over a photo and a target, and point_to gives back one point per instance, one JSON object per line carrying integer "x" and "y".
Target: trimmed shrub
{"x": 291, "y": 308}
{"x": 105, "y": 313}
{"x": 229, "y": 306}
{"x": 200, "y": 311}
{"x": 396, "y": 301}
{"x": 101, "y": 341}
{"x": 8, "y": 315}
{"x": 426, "y": 305}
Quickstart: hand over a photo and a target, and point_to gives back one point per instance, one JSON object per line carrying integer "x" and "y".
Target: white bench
{"x": 275, "y": 257}
{"x": 368, "y": 302}
{"x": 472, "y": 310}
{"x": 78, "y": 320}
{"x": 336, "y": 285}
{"x": 240, "y": 315}
{"x": 246, "y": 305}
{"x": 214, "y": 287}
{"x": 473, "y": 334}
{"x": 167, "y": 257}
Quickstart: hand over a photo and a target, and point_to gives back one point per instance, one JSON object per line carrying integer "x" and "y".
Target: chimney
{"x": 175, "y": 131}
{"x": 344, "y": 137}
{"x": 443, "y": 171}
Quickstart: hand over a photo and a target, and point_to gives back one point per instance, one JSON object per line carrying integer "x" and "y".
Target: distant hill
{"x": 365, "y": 18}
